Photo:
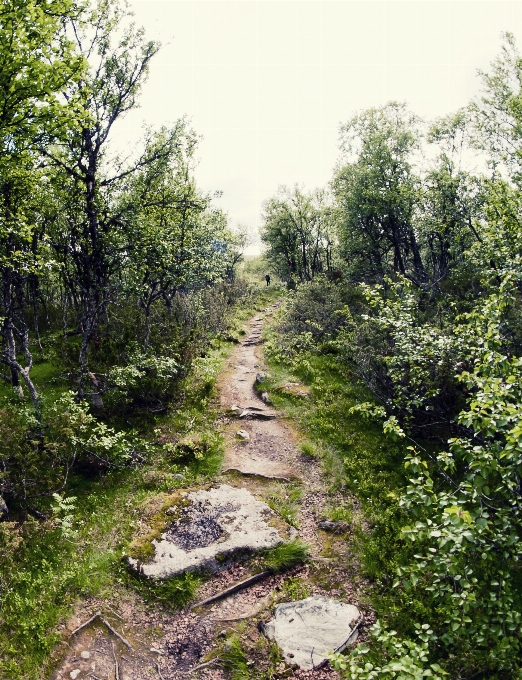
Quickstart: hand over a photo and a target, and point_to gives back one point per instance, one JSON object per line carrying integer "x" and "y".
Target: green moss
{"x": 141, "y": 547}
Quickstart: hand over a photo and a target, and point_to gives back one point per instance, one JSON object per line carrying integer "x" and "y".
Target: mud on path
{"x": 186, "y": 644}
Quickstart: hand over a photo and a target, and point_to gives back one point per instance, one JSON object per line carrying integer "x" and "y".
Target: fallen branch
{"x": 116, "y": 668}
{"x": 226, "y": 619}
{"x": 84, "y": 625}
{"x": 159, "y": 671}
{"x": 98, "y": 615}
{"x": 115, "y": 632}
{"x": 234, "y": 589}
{"x": 113, "y": 612}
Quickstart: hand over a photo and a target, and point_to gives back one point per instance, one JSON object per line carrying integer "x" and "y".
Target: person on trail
{"x": 267, "y": 279}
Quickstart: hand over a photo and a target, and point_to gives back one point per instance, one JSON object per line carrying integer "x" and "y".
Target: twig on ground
{"x": 207, "y": 663}
{"x": 98, "y": 615}
{"x": 77, "y": 630}
{"x": 115, "y": 632}
{"x": 116, "y": 668}
{"x": 159, "y": 671}
{"x": 227, "y": 619}
{"x": 234, "y": 589}
{"x": 113, "y": 612}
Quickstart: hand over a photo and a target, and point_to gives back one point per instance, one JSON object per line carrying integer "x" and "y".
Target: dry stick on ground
{"x": 113, "y": 612}
{"x": 234, "y": 589}
{"x": 115, "y": 632}
{"x": 204, "y": 665}
{"x": 159, "y": 671}
{"x": 106, "y": 623}
{"x": 77, "y": 630}
{"x": 116, "y": 668}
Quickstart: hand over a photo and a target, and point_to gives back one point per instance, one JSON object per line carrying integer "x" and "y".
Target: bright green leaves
{"x": 37, "y": 62}
{"x": 470, "y": 529}
{"x": 407, "y": 659}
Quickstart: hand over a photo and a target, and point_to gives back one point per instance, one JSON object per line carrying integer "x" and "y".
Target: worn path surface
{"x": 174, "y": 646}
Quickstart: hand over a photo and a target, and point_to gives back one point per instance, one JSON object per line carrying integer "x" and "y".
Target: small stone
{"x": 265, "y": 398}
{"x": 155, "y": 651}
{"x": 3, "y": 508}
{"x": 177, "y": 476}
{"x": 261, "y": 377}
{"x": 85, "y": 655}
{"x": 222, "y": 634}
{"x": 75, "y": 673}
{"x": 243, "y": 434}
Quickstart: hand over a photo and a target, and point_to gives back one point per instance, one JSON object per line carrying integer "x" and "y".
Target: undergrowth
{"x": 44, "y": 570}
{"x": 356, "y": 458}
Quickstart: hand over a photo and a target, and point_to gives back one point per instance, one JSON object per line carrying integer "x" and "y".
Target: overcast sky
{"x": 267, "y": 82}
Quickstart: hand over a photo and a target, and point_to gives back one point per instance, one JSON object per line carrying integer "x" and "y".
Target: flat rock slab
{"x": 212, "y": 526}
{"x": 308, "y": 630}
{"x": 251, "y": 464}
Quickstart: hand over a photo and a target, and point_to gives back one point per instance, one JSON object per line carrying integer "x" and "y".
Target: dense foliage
{"x": 116, "y": 269}
{"x": 424, "y": 311}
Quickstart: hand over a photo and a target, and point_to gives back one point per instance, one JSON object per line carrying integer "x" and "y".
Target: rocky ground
{"x": 134, "y": 640}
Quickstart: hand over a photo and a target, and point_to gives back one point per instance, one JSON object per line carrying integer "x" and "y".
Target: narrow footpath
{"x": 133, "y": 640}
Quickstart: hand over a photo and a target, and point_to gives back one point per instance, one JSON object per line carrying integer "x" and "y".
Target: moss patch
{"x": 158, "y": 514}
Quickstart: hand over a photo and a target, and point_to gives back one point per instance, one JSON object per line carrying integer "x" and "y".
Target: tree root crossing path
{"x": 126, "y": 638}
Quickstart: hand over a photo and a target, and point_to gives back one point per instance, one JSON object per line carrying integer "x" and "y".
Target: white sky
{"x": 267, "y": 82}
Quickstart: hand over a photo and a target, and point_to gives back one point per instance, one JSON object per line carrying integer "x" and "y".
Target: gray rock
{"x": 75, "y": 673}
{"x": 243, "y": 434}
{"x": 85, "y": 654}
{"x": 308, "y": 630}
{"x": 261, "y": 377}
{"x": 213, "y": 525}
{"x": 265, "y": 398}
{"x": 4, "y": 510}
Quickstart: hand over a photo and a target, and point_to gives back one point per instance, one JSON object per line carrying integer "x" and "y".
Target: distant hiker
{"x": 267, "y": 279}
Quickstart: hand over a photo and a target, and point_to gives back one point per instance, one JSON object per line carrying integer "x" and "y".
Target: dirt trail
{"x": 173, "y": 646}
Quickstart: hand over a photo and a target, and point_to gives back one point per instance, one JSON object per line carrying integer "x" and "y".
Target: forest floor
{"x": 134, "y": 639}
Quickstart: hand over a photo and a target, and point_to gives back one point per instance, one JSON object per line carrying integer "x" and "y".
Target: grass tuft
{"x": 286, "y": 555}
{"x": 235, "y": 660}
{"x": 173, "y": 593}
{"x": 284, "y": 499}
